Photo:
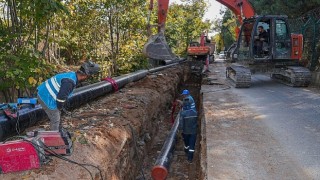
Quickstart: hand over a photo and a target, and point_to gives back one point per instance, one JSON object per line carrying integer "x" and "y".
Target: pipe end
{"x": 159, "y": 173}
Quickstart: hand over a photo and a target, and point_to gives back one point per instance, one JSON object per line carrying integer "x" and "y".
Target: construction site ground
{"x": 122, "y": 133}
{"x": 267, "y": 131}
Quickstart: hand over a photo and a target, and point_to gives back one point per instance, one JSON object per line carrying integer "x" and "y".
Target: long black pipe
{"x": 88, "y": 93}
{"x": 26, "y": 117}
{"x": 160, "y": 169}
{"x": 29, "y": 116}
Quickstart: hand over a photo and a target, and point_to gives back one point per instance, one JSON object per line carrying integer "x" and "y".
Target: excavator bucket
{"x": 158, "y": 49}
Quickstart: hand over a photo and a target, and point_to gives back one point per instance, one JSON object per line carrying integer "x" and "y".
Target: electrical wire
{"x": 135, "y": 148}
{"x": 51, "y": 152}
{"x": 83, "y": 165}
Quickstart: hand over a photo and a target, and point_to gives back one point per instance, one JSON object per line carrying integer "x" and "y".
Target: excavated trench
{"x": 122, "y": 133}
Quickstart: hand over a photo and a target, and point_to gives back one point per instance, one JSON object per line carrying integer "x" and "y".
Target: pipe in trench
{"x": 29, "y": 116}
{"x": 160, "y": 170}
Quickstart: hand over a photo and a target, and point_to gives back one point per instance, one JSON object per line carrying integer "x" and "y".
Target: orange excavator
{"x": 203, "y": 50}
{"x": 278, "y": 52}
{"x": 157, "y": 47}
{"x": 265, "y": 44}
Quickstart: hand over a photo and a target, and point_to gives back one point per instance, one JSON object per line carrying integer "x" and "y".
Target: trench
{"x": 179, "y": 167}
{"x": 122, "y": 133}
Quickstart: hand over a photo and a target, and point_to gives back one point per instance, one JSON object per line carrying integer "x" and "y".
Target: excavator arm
{"x": 241, "y": 8}
{"x": 157, "y": 47}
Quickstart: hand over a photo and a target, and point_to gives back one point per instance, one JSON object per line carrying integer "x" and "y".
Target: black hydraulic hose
{"x": 161, "y": 167}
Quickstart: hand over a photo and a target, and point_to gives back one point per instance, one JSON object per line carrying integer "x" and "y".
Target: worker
{"x": 187, "y": 98}
{"x": 261, "y": 40}
{"x": 188, "y": 126}
{"x": 54, "y": 92}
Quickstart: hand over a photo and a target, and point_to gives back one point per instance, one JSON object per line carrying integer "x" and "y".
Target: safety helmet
{"x": 89, "y": 68}
{"x": 185, "y": 92}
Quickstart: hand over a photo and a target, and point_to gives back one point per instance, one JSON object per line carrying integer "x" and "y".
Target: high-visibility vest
{"x": 48, "y": 90}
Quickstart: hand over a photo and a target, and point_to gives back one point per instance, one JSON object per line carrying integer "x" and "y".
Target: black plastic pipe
{"x": 161, "y": 167}
{"x": 85, "y": 94}
{"x": 172, "y": 63}
{"x": 29, "y": 116}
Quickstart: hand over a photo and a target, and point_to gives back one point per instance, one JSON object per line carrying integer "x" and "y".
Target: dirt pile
{"x": 113, "y": 132}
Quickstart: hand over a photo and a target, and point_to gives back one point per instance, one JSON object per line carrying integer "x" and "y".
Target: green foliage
{"x": 37, "y": 33}
{"x": 291, "y": 8}
{"x": 185, "y": 24}
{"x": 226, "y": 30}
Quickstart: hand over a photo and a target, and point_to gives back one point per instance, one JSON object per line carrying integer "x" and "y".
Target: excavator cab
{"x": 265, "y": 38}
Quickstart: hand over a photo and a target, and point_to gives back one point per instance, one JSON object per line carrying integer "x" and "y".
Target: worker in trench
{"x": 188, "y": 124}
{"x": 54, "y": 92}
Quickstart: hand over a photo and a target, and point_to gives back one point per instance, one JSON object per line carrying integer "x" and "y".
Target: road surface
{"x": 267, "y": 131}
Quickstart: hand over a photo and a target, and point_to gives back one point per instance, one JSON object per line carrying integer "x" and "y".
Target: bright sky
{"x": 213, "y": 11}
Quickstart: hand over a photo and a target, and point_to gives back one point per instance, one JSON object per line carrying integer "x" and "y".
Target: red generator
{"x": 21, "y": 155}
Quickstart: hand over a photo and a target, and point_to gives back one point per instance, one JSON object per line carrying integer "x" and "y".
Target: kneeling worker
{"x": 54, "y": 92}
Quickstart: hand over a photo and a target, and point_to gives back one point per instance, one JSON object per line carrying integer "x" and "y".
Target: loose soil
{"x": 121, "y": 133}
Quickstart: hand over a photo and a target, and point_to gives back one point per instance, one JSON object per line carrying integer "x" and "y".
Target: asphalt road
{"x": 276, "y": 130}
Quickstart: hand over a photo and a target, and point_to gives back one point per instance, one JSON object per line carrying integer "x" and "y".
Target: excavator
{"x": 203, "y": 50}
{"x": 278, "y": 53}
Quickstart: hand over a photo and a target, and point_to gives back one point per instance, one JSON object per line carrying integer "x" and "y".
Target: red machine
{"x": 21, "y": 155}
{"x": 31, "y": 152}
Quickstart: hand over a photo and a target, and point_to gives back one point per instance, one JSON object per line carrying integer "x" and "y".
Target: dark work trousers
{"x": 189, "y": 144}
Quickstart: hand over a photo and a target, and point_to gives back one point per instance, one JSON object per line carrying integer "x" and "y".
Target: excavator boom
{"x": 241, "y": 8}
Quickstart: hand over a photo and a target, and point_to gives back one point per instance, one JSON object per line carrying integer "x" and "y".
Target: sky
{"x": 213, "y": 11}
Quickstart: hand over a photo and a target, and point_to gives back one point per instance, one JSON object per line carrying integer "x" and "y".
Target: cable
{"x": 51, "y": 152}
{"x": 136, "y": 149}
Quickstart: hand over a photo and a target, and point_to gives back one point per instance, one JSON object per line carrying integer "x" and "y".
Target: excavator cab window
{"x": 261, "y": 45}
{"x": 245, "y": 40}
{"x": 282, "y": 40}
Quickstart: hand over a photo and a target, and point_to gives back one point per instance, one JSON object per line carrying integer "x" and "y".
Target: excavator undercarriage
{"x": 295, "y": 76}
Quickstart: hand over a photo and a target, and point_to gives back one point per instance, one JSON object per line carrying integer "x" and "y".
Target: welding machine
{"x": 21, "y": 155}
{"x": 32, "y": 151}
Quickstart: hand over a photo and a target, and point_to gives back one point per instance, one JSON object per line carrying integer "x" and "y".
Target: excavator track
{"x": 239, "y": 75}
{"x": 295, "y": 76}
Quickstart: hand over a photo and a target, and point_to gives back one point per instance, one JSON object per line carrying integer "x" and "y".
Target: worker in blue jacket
{"x": 187, "y": 98}
{"x": 188, "y": 125}
{"x": 54, "y": 92}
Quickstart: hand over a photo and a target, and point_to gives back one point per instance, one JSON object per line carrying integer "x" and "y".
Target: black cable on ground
{"x": 136, "y": 149}
{"x": 47, "y": 149}
{"x": 51, "y": 152}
